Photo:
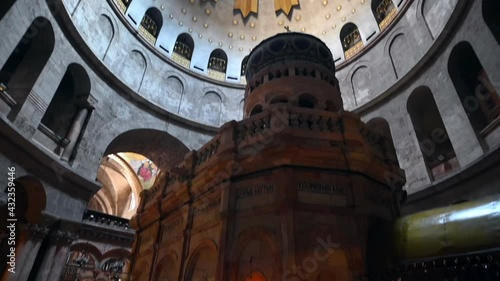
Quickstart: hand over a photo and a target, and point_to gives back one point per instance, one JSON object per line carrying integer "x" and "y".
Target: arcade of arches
{"x": 247, "y": 140}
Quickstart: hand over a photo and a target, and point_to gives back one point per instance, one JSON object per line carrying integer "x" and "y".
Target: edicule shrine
{"x": 300, "y": 189}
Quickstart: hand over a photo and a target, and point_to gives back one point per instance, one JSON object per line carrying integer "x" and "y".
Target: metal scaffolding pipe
{"x": 455, "y": 229}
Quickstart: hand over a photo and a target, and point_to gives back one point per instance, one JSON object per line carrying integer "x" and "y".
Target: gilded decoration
{"x": 246, "y": 6}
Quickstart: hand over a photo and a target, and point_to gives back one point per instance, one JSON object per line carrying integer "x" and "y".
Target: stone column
{"x": 27, "y": 246}
{"x": 37, "y": 233}
{"x": 55, "y": 257}
{"x": 74, "y": 133}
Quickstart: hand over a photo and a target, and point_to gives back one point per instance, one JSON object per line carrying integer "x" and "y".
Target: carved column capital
{"x": 37, "y": 232}
{"x": 62, "y": 237}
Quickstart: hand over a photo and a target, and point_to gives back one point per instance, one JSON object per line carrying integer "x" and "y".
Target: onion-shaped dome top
{"x": 289, "y": 46}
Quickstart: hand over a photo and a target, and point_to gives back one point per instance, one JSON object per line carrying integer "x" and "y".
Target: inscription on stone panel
{"x": 256, "y": 190}
{"x": 377, "y": 200}
{"x": 322, "y": 188}
{"x": 207, "y": 207}
{"x": 171, "y": 226}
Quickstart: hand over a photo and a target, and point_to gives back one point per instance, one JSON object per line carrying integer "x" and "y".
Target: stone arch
{"x": 434, "y": 14}
{"x": 184, "y": 46}
{"x": 159, "y": 146}
{"x": 335, "y": 268}
{"x": 218, "y": 61}
{"x": 211, "y": 109}
{"x": 474, "y": 88}
{"x": 107, "y": 30}
{"x": 69, "y": 99}
{"x": 380, "y": 126}
{"x": 421, "y": 15}
{"x": 141, "y": 272}
{"x": 27, "y": 61}
{"x": 244, "y": 63}
{"x": 167, "y": 269}
{"x": 255, "y": 110}
{"x": 121, "y": 255}
{"x": 203, "y": 261}
{"x": 381, "y": 9}
{"x": 398, "y": 53}
{"x": 242, "y": 110}
{"x": 121, "y": 188}
{"x": 6, "y": 7}
{"x": 360, "y": 83}
{"x": 245, "y": 238}
{"x": 318, "y": 260}
{"x": 134, "y": 69}
{"x": 490, "y": 16}
{"x": 152, "y": 21}
{"x": 432, "y": 136}
{"x": 256, "y": 276}
{"x": 257, "y": 258}
{"x": 81, "y": 252}
{"x": 105, "y": 200}
{"x": 175, "y": 93}
{"x": 31, "y": 199}
{"x": 88, "y": 248}
{"x": 277, "y": 98}
{"x": 351, "y": 40}
{"x": 307, "y": 101}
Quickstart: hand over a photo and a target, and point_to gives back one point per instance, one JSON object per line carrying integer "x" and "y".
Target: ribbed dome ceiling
{"x": 219, "y": 21}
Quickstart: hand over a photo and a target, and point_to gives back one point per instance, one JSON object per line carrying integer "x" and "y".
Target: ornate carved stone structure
{"x": 298, "y": 190}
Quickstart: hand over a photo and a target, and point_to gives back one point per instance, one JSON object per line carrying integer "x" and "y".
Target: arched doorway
{"x": 490, "y": 15}
{"x": 5, "y": 7}
{"x": 477, "y": 94}
{"x": 435, "y": 145}
{"x": 25, "y": 64}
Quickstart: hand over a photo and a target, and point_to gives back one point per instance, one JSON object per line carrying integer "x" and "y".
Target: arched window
{"x": 21, "y": 70}
{"x": 256, "y": 110}
{"x": 435, "y": 145}
{"x": 183, "y": 50}
{"x": 351, "y": 40}
{"x": 490, "y": 15}
{"x": 477, "y": 93}
{"x": 5, "y": 7}
{"x": 217, "y": 64}
{"x": 384, "y": 12}
{"x": 244, "y": 66}
{"x": 123, "y": 5}
{"x": 151, "y": 25}
{"x": 278, "y": 99}
{"x": 69, "y": 109}
{"x": 307, "y": 101}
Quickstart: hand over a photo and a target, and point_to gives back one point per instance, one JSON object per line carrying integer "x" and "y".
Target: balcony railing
{"x": 105, "y": 219}
{"x": 474, "y": 266}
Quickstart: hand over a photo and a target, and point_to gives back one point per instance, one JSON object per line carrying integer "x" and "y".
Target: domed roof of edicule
{"x": 289, "y": 46}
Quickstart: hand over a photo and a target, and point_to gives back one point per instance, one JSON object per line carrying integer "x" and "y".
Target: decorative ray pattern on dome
{"x": 246, "y": 6}
{"x": 285, "y": 5}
